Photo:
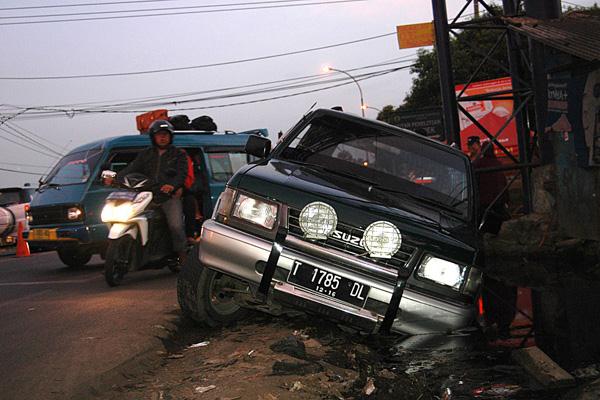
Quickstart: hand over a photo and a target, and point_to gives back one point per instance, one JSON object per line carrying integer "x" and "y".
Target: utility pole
{"x": 442, "y": 46}
{"x": 476, "y": 8}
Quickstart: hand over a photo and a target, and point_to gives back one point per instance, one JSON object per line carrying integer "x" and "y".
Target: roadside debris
{"x": 297, "y": 386}
{"x": 201, "y": 344}
{"x": 496, "y": 390}
{"x": 590, "y": 371}
{"x": 291, "y": 346}
{"x": 204, "y": 389}
{"x": 369, "y": 388}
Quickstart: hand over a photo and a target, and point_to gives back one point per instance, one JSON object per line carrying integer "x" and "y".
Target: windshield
{"x": 224, "y": 165}
{"x": 8, "y": 198}
{"x": 395, "y": 163}
{"x": 74, "y": 168}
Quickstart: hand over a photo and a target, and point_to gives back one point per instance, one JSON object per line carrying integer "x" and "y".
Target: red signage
{"x": 491, "y": 114}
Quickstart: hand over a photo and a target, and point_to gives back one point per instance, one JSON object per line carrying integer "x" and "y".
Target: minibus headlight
{"x": 74, "y": 214}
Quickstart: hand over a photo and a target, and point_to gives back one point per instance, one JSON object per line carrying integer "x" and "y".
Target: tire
{"x": 199, "y": 296}
{"x": 73, "y": 256}
{"x": 120, "y": 254}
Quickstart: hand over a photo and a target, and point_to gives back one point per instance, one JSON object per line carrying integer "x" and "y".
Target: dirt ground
{"x": 268, "y": 358}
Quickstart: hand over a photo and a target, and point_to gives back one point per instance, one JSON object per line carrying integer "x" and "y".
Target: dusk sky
{"x": 201, "y": 33}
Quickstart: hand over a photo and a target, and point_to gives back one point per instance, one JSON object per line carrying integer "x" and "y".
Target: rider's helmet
{"x": 160, "y": 125}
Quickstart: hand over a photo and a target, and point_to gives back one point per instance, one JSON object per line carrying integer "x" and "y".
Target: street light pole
{"x": 362, "y": 102}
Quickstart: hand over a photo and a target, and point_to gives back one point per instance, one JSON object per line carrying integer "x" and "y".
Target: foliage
{"x": 467, "y": 49}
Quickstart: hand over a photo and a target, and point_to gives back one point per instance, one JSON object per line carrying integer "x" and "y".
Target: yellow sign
{"x": 416, "y": 35}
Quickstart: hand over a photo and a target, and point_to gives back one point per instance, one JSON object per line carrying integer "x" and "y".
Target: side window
{"x": 224, "y": 165}
{"x": 120, "y": 159}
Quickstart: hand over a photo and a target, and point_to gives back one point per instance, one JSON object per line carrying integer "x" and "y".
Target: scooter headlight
{"x": 117, "y": 213}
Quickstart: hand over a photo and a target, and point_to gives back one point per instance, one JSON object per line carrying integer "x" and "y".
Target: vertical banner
{"x": 491, "y": 114}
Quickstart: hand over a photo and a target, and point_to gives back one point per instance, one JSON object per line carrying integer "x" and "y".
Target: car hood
{"x": 297, "y": 185}
{"x": 67, "y": 194}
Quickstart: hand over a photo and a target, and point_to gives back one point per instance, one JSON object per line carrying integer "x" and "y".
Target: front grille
{"x": 49, "y": 215}
{"x": 343, "y": 241}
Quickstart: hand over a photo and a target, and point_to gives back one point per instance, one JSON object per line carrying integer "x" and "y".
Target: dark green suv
{"x": 352, "y": 219}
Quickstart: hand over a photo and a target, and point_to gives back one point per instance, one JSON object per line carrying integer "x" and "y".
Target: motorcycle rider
{"x": 166, "y": 165}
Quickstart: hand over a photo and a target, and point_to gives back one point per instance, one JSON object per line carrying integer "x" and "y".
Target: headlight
{"x": 255, "y": 211}
{"x": 382, "y": 239}
{"x": 318, "y": 220}
{"x": 117, "y": 213}
{"x": 74, "y": 214}
{"x": 441, "y": 271}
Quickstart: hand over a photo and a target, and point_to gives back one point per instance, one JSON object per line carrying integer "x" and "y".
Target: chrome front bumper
{"x": 237, "y": 253}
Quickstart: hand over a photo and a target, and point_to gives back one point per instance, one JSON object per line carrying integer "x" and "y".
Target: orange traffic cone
{"x": 22, "y": 245}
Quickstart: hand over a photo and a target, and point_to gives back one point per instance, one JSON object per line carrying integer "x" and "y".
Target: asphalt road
{"x": 61, "y": 328}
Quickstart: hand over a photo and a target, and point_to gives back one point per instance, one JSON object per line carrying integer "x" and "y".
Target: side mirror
{"x": 258, "y": 146}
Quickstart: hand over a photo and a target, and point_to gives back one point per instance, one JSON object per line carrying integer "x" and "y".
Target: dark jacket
{"x": 169, "y": 168}
{"x": 490, "y": 184}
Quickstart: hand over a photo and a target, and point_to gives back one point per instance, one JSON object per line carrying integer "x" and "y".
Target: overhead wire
{"x": 15, "y": 125}
{"x": 29, "y": 139}
{"x": 217, "y": 64}
{"x": 100, "y": 4}
{"x": 108, "y": 108}
{"x": 348, "y": 82}
{"x": 319, "y": 3}
{"x": 24, "y": 165}
{"x": 23, "y": 145}
{"x": 304, "y": 2}
{"x": 21, "y": 172}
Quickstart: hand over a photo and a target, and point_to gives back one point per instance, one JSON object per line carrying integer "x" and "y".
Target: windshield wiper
{"x": 425, "y": 200}
{"x": 46, "y": 185}
{"x": 334, "y": 171}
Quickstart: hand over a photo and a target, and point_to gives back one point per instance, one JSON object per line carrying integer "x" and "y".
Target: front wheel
{"x": 206, "y": 296}
{"x": 74, "y": 256}
{"x": 120, "y": 255}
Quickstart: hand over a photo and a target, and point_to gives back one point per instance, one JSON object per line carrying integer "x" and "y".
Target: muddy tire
{"x": 119, "y": 256}
{"x": 201, "y": 294}
{"x": 73, "y": 256}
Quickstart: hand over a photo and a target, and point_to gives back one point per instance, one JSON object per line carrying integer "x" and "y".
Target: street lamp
{"x": 363, "y": 106}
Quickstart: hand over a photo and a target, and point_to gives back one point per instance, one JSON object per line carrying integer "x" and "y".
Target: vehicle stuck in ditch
{"x": 352, "y": 219}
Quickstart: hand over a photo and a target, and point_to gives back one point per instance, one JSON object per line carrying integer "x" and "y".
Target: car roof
{"x": 182, "y": 138}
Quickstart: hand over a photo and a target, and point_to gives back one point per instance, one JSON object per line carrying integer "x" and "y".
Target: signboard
{"x": 415, "y": 35}
{"x": 428, "y": 122}
{"x": 491, "y": 114}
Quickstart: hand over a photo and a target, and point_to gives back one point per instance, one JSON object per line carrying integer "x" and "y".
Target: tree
{"x": 467, "y": 50}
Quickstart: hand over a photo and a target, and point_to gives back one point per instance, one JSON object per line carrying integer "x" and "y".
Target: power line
{"x": 89, "y": 4}
{"x": 218, "y": 64}
{"x": 31, "y": 140}
{"x": 141, "y": 100}
{"x": 23, "y": 145}
{"x": 180, "y": 13}
{"x": 25, "y": 165}
{"x": 21, "y": 172}
{"x": 350, "y": 82}
{"x": 14, "y": 125}
{"x": 118, "y": 108}
{"x": 152, "y": 9}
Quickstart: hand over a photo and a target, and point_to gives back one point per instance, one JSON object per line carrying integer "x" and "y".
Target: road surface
{"x": 61, "y": 328}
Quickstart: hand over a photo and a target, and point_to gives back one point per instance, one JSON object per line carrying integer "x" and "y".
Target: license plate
{"x": 328, "y": 284}
{"x": 42, "y": 234}
{"x": 122, "y": 196}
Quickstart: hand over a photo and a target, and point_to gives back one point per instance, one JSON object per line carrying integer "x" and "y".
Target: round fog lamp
{"x": 382, "y": 239}
{"x": 318, "y": 220}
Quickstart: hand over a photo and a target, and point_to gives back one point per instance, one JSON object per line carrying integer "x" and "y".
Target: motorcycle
{"x": 139, "y": 236}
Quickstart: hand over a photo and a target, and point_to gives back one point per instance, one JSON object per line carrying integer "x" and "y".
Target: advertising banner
{"x": 491, "y": 114}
